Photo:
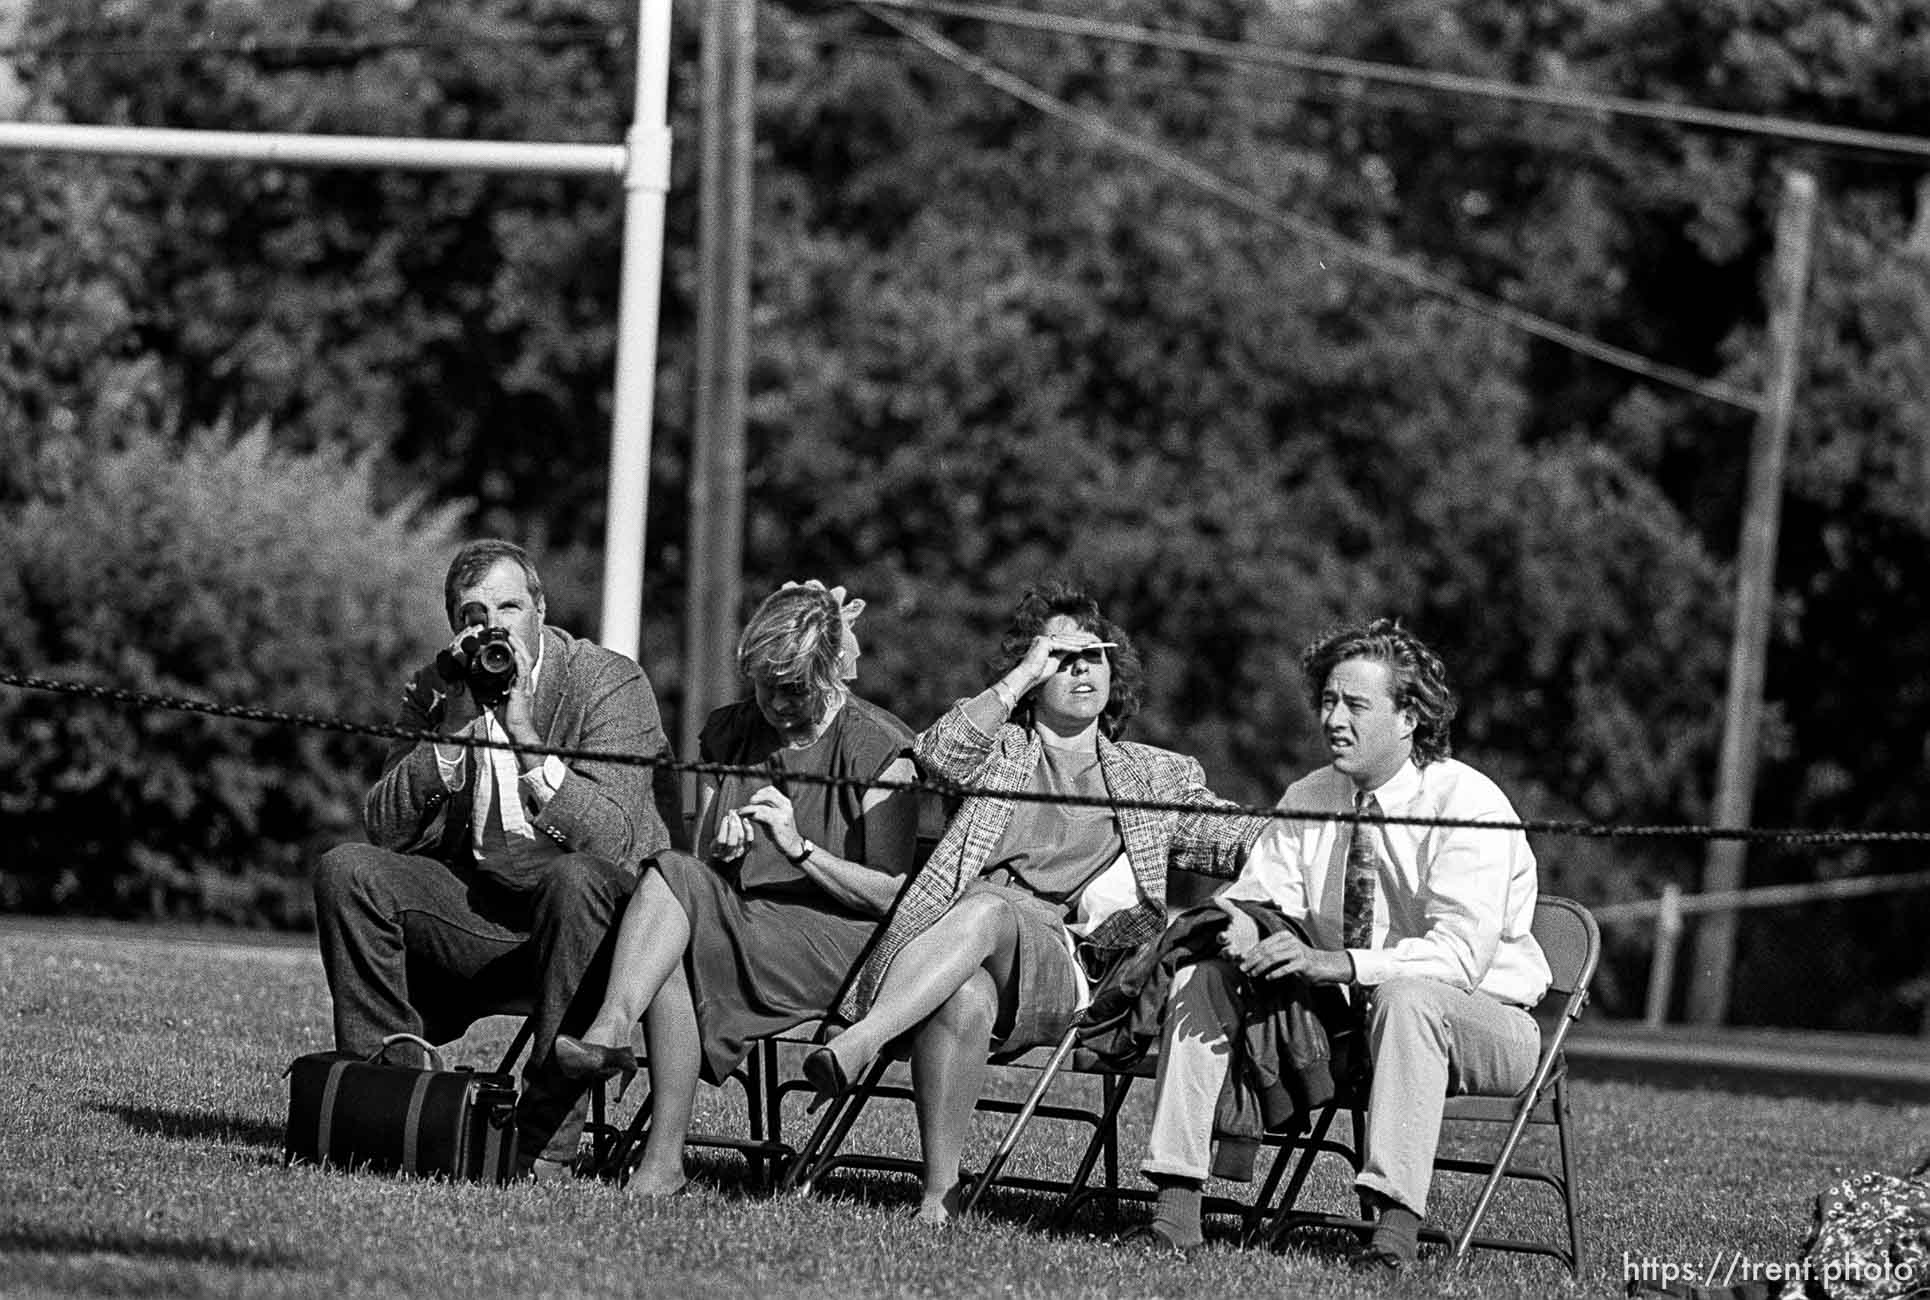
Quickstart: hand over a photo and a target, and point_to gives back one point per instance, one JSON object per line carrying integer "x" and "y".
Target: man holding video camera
{"x": 492, "y": 875}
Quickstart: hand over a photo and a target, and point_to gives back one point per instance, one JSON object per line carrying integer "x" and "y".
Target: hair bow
{"x": 848, "y": 610}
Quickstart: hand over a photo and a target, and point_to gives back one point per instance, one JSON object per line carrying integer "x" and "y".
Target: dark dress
{"x": 770, "y": 949}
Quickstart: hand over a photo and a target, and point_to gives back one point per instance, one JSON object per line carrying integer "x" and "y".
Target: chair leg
{"x": 751, "y": 1076}
{"x": 1104, "y": 1140}
{"x": 611, "y": 1151}
{"x": 1020, "y": 1120}
{"x": 772, "y": 1097}
{"x": 820, "y": 1150}
{"x": 524, "y": 1033}
{"x": 1570, "y": 1189}
{"x": 1115, "y": 1090}
{"x": 1496, "y": 1173}
{"x": 1291, "y": 1197}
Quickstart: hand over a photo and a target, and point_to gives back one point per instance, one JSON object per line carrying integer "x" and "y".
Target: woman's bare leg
{"x": 977, "y": 934}
{"x": 947, "y": 1073}
{"x": 675, "y": 1057}
{"x": 650, "y": 947}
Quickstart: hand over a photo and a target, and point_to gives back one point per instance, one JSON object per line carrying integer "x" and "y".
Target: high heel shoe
{"x": 823, "y": 1073}
{"x": 595, "y": 1061}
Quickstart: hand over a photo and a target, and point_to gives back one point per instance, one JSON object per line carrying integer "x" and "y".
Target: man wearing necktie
{"x": 492, "y": 876}
{"x": 1427, "y": 926}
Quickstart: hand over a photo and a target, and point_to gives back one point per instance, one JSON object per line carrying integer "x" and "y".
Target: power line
{"x": 1337, "y": 245}
{"x": 1573, "y": 101}
{"x": 1528, "y": 132}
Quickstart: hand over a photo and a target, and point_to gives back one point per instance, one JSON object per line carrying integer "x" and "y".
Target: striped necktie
{"x": 1363, "y": 871}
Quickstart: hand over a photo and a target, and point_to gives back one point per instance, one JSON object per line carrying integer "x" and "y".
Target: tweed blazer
{"x": 955, "y": 749}
{"x": 587, "y": 698}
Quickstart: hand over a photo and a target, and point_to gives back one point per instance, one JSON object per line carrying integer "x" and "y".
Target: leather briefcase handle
{"x": 435, "y": 1057}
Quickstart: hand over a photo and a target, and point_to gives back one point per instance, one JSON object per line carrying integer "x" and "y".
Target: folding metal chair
{"x": 1102, "y": 1144}
{"x": 1567, "y": 935}
{"x": 1572, "y": 943}
{"x": 824, "y": 1151}
{"x": 763, "y": 1145}
{"x": 614, "y": 1148}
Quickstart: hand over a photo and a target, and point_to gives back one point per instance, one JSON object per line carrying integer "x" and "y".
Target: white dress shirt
{"x": 1451, "y": 904}
{"x": 496, "y": 770}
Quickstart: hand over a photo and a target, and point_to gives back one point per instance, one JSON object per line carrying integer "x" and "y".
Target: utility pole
{"x": 1715, "y": 939}
{"x": 713, "y": 600}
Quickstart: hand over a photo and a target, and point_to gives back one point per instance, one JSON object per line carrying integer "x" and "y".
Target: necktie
{"x": 496, "y": 791}
{"x": 1363, "y": 870}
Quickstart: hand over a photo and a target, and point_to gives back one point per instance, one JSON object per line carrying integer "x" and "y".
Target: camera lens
{"x": 495, "y": 658}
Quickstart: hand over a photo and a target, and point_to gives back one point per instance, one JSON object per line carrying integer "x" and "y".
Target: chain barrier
{"x": 952, "y": 789}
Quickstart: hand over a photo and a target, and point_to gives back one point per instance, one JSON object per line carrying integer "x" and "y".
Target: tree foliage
{"x": 226, "y": 570}
{"x": 988, "y": 347}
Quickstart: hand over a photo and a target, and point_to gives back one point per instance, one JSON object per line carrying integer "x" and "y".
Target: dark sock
{"x": 1176, "y": 1213}
{"x": 1397, "y": 1231}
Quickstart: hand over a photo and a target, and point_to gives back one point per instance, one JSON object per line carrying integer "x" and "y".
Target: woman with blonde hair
{"x": 761, "y": 930}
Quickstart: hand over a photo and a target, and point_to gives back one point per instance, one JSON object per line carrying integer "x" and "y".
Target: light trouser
{"x": 1428, "y": 1040}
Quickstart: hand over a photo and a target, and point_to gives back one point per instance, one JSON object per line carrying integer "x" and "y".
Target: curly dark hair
{"x": 1419, "y": 683}
{"x": 1037, "y": 607}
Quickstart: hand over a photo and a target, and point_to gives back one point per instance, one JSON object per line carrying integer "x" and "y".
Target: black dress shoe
{"x": 595, "y": 1061}
{"x": 826, "y": 1077}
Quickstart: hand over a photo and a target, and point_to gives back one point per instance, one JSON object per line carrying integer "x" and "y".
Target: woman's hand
{"x": 1037, "y": 665}
{"x": 734, "y": 836}
{"x": 1042, "y": 659}
{"x": 771, "y": 810}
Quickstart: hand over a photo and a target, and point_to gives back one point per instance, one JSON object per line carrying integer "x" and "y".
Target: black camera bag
{"x": 364, "y": 1113}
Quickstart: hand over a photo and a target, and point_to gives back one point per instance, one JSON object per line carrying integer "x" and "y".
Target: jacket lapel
{"x": 1010, "y": 769}
{"x": 1145, "y": 846}
{"x": 551, "y": 684}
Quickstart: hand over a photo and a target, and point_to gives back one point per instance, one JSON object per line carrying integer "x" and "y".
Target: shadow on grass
{"x": 198, "y": 1126}
{"x": 181, "y": 1250}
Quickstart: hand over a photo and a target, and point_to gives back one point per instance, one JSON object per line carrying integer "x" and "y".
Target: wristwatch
{"x": 797, "y": 859}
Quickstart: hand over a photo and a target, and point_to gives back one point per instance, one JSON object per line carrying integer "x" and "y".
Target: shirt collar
{"x": 1400, "y": 787}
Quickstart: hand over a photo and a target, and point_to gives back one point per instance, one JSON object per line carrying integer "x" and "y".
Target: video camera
{"x": 482, "y": 658}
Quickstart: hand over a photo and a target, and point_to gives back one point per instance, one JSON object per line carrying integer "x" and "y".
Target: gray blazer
{"x": 588, "y": 698}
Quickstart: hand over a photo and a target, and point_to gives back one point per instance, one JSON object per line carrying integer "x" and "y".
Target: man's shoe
{"x": 1149, "y": 1237}
{"x": 1377, "y": 1261}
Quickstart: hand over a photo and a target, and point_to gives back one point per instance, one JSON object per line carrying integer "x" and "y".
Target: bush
{"x": 228, "y": 571}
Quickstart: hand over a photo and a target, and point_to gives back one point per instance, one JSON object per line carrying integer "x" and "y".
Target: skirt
{"x": 1050, "y": 988}
{"x": 760, "y": 962}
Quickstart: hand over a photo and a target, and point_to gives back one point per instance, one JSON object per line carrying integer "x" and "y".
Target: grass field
{"x": 140, "y": 1155}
